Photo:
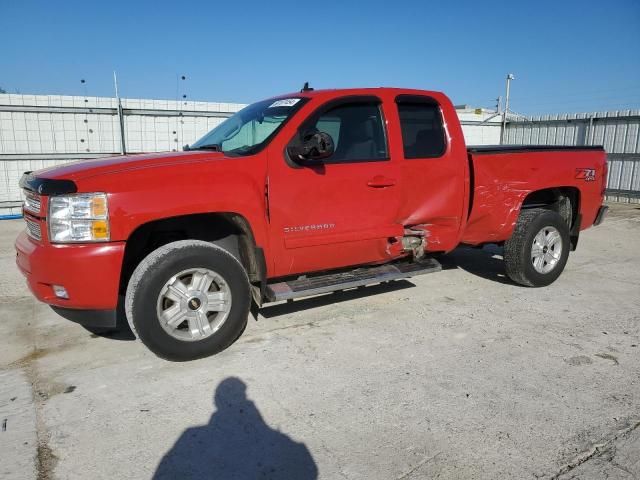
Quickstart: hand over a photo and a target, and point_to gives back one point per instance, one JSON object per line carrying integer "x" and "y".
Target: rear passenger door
{"x": 343, "y": 210}
{"x": 433, "y": 173}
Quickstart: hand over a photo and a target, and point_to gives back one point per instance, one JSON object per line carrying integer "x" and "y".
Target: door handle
{"x": 380, "y": 181}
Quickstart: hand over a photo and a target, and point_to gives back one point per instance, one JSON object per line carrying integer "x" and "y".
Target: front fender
{"x": 137, "y": 197}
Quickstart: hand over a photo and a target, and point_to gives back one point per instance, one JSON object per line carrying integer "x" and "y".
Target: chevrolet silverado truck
{"x": 293, "y": 196}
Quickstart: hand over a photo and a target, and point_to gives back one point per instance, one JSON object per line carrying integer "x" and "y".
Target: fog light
{"x": 60, "y": 291}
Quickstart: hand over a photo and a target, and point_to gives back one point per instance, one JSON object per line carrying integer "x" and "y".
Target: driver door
{"x": 343, "y": 210}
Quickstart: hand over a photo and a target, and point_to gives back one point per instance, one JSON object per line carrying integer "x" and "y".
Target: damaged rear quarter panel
{"x": 502, "y": 182}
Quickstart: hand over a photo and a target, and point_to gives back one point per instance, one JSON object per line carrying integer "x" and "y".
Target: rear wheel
{"x": 537, "y": 252}
{"x": 187, "y": 300}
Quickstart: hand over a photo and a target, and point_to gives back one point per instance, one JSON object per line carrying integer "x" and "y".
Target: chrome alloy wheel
{"x": 546, "y": 250}
{"x": 194, "y": 304}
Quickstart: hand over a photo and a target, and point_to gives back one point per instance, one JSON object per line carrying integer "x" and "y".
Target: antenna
{"x": 306, "y": 88}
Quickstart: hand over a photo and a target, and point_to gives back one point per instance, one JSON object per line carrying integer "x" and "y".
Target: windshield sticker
{"x": 285, "y": 102}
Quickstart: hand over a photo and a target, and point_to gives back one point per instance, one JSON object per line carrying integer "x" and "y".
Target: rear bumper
{"x": 90, "y": 273}
{"x": 602, "y": 212}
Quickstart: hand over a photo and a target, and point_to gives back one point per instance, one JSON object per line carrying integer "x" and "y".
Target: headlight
{"x": 82, "y": 217}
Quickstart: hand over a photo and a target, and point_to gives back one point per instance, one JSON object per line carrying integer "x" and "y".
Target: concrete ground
{"x": 459, "y": 374}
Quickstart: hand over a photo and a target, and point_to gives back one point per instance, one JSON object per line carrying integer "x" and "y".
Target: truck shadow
{"x": 236, "y": 443}
{"x": 122, "y": 331}
{"x": 485, "y": 262}
{"x": 293, "y": 306}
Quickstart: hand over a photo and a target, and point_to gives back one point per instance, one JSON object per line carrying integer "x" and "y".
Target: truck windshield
{"x": 251, "y": 129}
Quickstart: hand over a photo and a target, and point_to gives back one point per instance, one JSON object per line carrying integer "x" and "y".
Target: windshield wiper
{"x": 244, "y": 150}
{"x": 241, "y": 149}
{"x": 216, "y": 147}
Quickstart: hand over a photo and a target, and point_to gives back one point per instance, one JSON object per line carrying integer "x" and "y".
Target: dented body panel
{"x": 502, "y": 181}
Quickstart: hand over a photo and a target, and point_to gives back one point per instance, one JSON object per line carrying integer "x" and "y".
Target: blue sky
{"x": 566, "y": 55}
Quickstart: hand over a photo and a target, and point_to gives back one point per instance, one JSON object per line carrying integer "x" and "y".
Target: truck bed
{"x": 502, "y": 177}
{"x": 493, "y": 149}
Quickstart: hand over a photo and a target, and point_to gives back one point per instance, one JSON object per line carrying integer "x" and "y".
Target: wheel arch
{"x": 563, "y": 200}
{"x": 229, "y": 230}
{"x": 518, "y": 250}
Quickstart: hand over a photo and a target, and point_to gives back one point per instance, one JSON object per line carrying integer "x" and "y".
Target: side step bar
{"x": 306, "y": 286}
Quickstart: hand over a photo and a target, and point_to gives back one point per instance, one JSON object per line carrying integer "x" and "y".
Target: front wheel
{"x": 187, "y": 300}
{"x": 538, "y": 249}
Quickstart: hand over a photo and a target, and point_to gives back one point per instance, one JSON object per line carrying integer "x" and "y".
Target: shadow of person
{"x": 236, "y": 444}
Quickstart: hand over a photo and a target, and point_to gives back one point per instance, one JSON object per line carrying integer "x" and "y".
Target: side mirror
{"x": 311, "y": 145}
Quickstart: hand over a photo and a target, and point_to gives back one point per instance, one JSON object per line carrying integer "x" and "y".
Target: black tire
{"x": 150, "y": 277}
{"x": 518, "y": 249}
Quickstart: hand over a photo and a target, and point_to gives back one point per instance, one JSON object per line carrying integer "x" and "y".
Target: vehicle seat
{"x": 356, "y": 141}
{"x": 426, "y": 141}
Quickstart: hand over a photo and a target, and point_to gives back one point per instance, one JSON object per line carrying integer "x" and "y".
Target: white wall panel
{"x": 65, "y": 125}
{"x": 39, "y": 125}
{"x": 618, "y": 132}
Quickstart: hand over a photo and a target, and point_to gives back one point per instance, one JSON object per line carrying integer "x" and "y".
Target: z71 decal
{"x": 586, "y": 174}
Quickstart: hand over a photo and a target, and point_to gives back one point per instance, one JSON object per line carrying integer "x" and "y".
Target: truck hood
{"x": 107, "y": 165}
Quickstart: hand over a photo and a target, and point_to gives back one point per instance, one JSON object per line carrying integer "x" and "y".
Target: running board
{"x": 306, "y": 286}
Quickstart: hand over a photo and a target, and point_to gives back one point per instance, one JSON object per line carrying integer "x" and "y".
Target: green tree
{"x": 2, "y": 90}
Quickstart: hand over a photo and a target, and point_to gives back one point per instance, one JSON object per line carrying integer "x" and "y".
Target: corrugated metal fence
{"x": 38, "y": 131}
{"x": 619, "y": 132}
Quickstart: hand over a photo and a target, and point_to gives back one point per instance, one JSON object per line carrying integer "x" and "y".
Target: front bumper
{"x": 90, "y": 273}
{"x": 89, "y": 318}
{"x": 602, "y": 212}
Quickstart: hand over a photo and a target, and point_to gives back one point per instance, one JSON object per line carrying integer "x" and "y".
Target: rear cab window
{"x": 422, "y": 127}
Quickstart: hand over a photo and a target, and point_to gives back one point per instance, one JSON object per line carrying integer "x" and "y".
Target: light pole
{"x": 506, "y": 108}
{"x": 123, "y": 144}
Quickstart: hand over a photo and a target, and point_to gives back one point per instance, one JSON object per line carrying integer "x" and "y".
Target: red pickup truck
{"x": 293, "y": 196}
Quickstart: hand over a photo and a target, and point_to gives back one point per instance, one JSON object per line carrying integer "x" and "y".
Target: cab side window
{"x": 422, "y": 128}
{"x": 357, "y": 130}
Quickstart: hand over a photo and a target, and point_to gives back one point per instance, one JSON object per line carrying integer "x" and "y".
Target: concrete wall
{"x": 480, "y": 126}
{"x": 63, "y": 124}
{"x": 38, "y": 131}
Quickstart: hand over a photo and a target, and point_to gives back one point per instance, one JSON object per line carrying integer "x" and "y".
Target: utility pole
{"x": 123, "y": 148}
{"x": 506, "y": 109}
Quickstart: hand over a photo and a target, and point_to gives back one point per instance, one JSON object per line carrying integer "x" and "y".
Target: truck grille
{"x": 32, "y": 203}
{"x": 33, "y": 228}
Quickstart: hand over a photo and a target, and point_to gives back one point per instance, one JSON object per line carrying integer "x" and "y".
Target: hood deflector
{"x": 47, "y": 186}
